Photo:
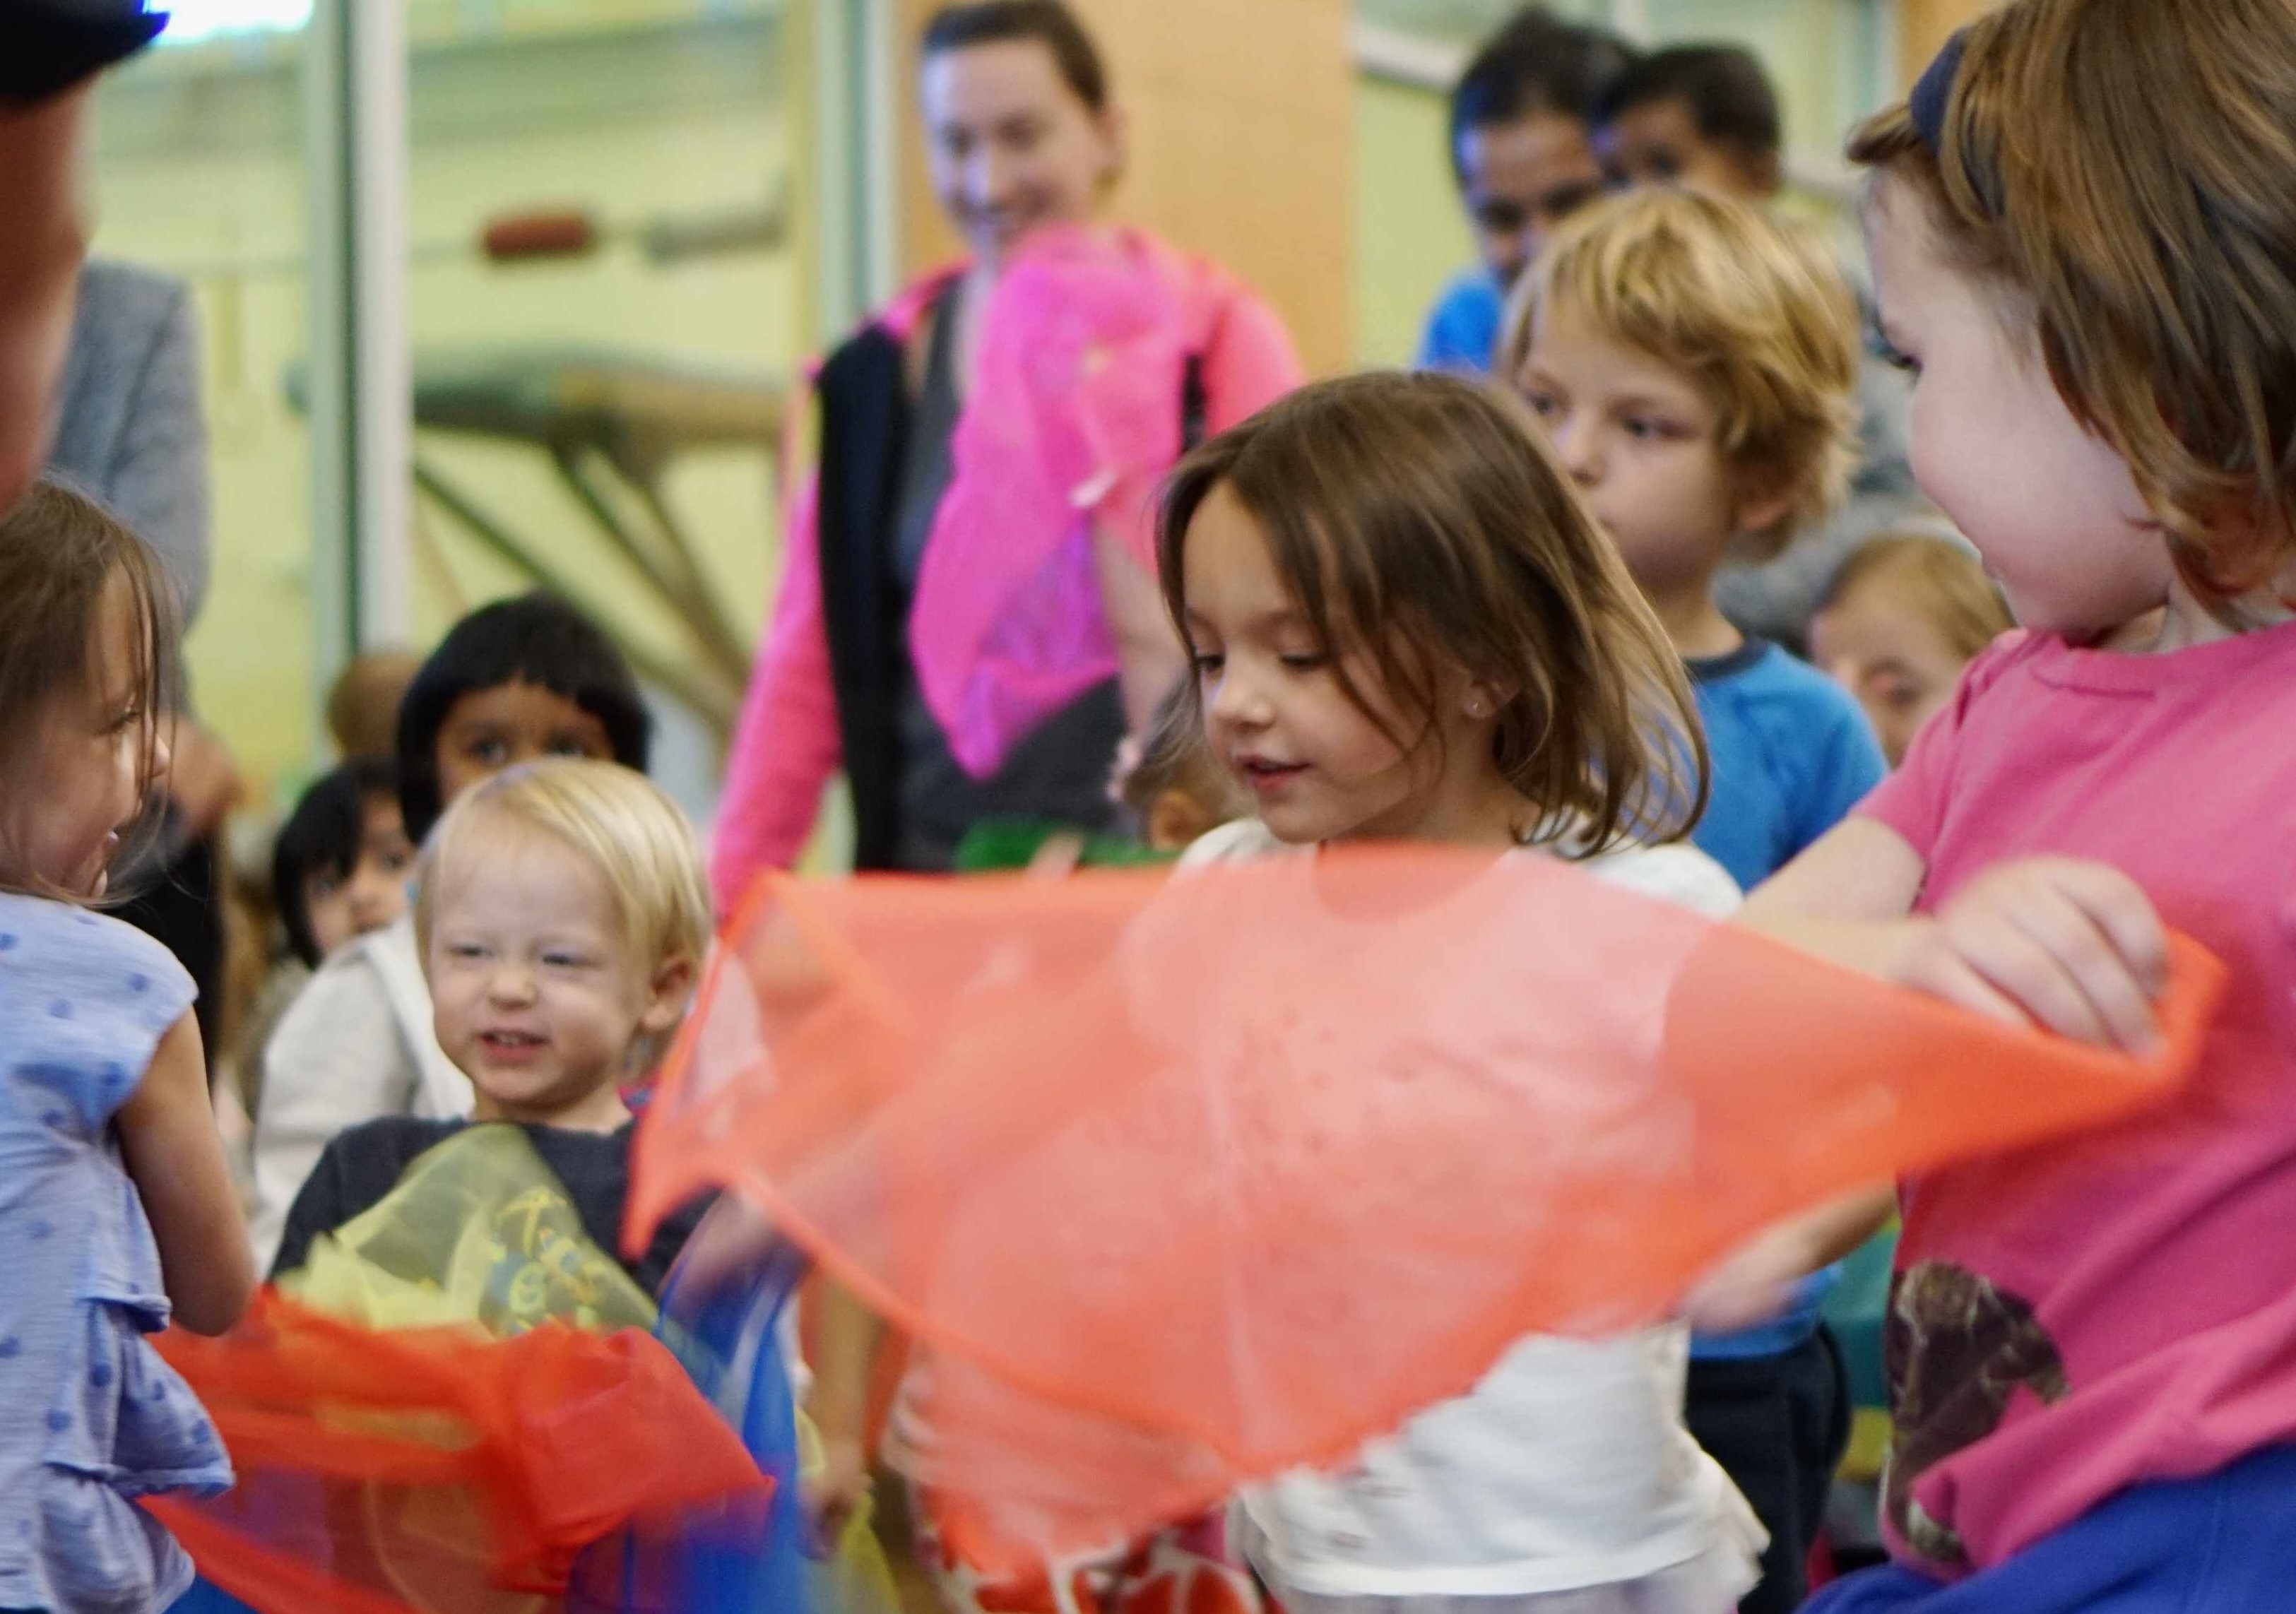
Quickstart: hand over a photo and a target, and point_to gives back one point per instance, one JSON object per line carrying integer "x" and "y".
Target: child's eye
{"x": 567, "y": 746}
{"x": 1542, "y": 404}
{"x": 1897, "y": 357}
{"x": 1647, "y": 428}
{"x": 1304, "y": 661}
{"x": 1209, "y": 666}
{"x": 491, "y": 750}
{"x": 323, "y": 885}
{"x": 465, "y": 952}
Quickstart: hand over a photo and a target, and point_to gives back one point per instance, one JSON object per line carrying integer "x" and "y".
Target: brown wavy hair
{"x": 63, "y": 557}
{"x": 1420, "y": 523}
{"x": 2119, "y": 170}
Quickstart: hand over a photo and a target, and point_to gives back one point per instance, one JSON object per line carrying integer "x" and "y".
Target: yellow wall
{"x": 1410, "y": 234}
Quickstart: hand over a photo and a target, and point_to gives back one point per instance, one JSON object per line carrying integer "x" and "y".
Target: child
{"x": 562, "y": 912}
{"x": 1524, "y": 159}
{"x": 515, "y": 681}
{"x": 1693, "y": 362}
{"x": 1699, "y": 115}
{"x": 1903, "y": 615}
{"x": 116, "y": 1210}
{"x": 1175, "y": 786}
{"x": 1405, "y": 625}
{"x": 2083, "y": 236}
{"x": 340, "y": 865}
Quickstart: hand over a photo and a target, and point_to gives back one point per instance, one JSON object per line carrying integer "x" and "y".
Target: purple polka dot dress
{"x": 90, "y": 1417}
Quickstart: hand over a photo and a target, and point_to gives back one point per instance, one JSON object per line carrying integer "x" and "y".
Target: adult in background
{"x": 1522, "y": 149}
{"x": 50, "y": 54}
{"x": 968, "y": 622}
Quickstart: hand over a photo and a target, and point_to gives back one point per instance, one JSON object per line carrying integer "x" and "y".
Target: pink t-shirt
{"x": 2076, "y": 1318}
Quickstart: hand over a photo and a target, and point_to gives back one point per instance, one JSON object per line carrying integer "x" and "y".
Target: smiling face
{"x": 1011, "y": 147}
{"x": 537, "y": 996}
{"x": 97, "y": 751}
{"x": 1320, "y": 766}
{"x": 2053, "y": 510}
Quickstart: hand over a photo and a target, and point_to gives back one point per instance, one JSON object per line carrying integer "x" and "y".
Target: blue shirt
{"x": 1792, "y": 754}
{"x": 90, "y": 1416}
{"x": 1462, "y": 332}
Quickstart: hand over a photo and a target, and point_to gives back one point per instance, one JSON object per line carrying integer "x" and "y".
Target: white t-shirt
{"x": 357, "y": 1044}
{"x": 1568, "y": 1466}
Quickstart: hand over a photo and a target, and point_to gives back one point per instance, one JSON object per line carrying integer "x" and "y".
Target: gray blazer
{"x": 128, "y": 426}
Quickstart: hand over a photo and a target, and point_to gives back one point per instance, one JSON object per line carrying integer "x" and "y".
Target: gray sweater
{"x": 129, "y": 429}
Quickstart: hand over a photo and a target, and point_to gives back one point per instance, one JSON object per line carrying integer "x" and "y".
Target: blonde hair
{"x": 1936, "y": 576}
{"x": 2120, "y": 169}
{"x": 1754, "y": 311}
{"x": 1419, "y": 520}
{"x": 618, "y": 819}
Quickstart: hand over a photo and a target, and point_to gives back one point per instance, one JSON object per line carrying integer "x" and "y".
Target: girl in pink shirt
{"x": 2084, "y": 239}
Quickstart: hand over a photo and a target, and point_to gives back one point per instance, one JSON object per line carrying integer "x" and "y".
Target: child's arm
{"x": 846, "y": 1343}
{"x": 2073, "y": 948}
{"x": 168, "y": 1137}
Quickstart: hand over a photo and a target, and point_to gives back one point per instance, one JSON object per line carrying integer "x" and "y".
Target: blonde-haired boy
{"x": 563, "y": 915}
{"x": 1695, "y": 362}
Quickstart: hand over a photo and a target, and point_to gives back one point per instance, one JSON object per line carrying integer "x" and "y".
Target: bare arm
{"x": 1148, "y": 656}
{"x": 167, "y": 1136}
{"x": 846, "y": 1344}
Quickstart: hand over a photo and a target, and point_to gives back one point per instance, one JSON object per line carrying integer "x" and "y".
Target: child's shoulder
{"x": 1676, "y": 872}
{"x": 1237, "y": 842}
{"x": 71, "y": 966}
{"x": 1769, "y": 676}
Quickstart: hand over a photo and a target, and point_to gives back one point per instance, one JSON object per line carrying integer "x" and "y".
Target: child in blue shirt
{"x": 1695, "y": 364}
{"x": 116, "y": 1210}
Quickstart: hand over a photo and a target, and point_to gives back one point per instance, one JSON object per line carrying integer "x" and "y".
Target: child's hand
{"x": 836, "y": 1494}
{"x": 2073, "y": 948}
{"x": 1759, "y": 1281}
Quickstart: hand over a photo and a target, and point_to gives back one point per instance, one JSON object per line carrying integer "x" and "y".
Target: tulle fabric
{"x": 442, "y": 1424}
{"x": 1178, "y": 1186}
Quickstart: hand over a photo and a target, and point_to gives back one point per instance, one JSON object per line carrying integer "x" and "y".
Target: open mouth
{"x": 1263, "y": 776}
{"x": 511, "y": 1045}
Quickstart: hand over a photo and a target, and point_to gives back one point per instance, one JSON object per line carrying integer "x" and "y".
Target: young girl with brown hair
{"x": 116, "y": 1209}
{"x": 1405, "y": 625}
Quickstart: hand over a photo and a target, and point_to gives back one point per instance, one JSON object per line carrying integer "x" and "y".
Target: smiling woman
{"x": 969, "y": 623}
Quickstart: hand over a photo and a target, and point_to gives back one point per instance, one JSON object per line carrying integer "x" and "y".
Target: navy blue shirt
{"x": 1792, "y": 753}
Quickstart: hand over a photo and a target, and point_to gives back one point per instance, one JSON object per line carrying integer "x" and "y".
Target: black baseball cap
{"x": 48, "y": 46}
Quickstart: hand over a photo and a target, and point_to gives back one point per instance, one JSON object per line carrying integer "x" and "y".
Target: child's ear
{"x": 1485, "y": 699}
{"x": 669, "y": 996}
{"x": 1762, "y": 504}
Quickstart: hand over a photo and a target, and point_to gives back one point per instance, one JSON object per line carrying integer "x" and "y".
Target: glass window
{"x": 605, "y": 303}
